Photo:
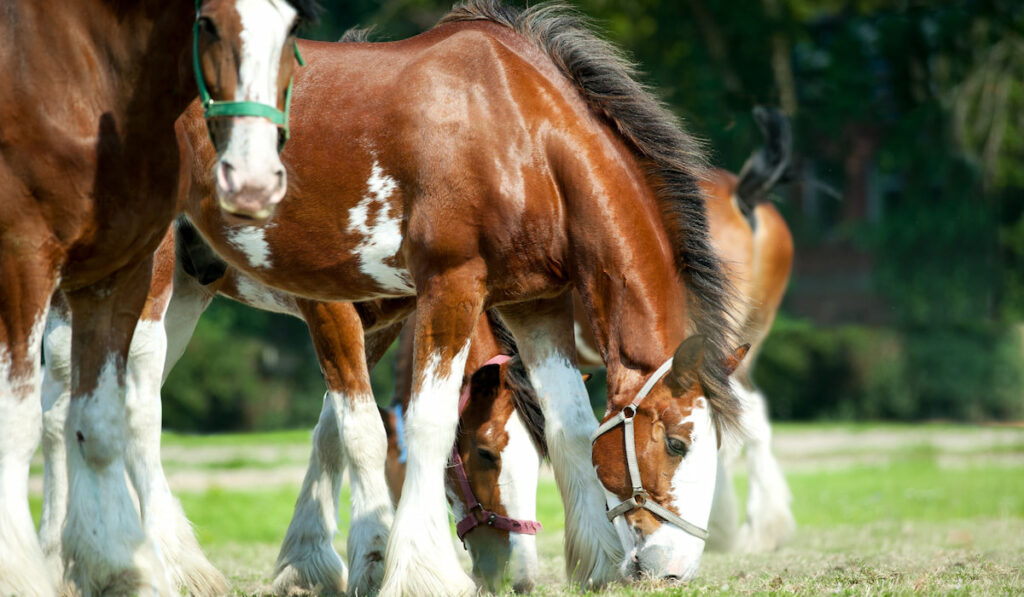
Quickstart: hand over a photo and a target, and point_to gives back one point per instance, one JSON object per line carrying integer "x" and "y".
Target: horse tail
{"x": 675, "y": 164}
{"x": 769, "y": 164}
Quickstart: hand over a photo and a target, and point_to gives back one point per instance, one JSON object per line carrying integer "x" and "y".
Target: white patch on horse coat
{"x": 256, "y": 294}
{"x": 421, "y": 558}
{"x": 671, "y": 550}
{"x": 517, "y": 481}
{"x": 22, "y": 569}
{"x": 251, "y": 241}
{"x": 382, "y": 235}
{"x": 56, "y": 398}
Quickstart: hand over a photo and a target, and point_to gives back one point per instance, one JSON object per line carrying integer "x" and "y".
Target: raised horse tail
{"x": 769, "y": 164}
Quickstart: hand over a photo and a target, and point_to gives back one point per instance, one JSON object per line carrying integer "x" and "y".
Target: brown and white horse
{"x": 757, "y": 247}
{"x": 499, "y": 160}
{"x": 88, "y": 167}
{"x": 493, "y": 487}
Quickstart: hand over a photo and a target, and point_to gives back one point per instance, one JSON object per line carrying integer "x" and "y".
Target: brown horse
{"x": 88, "y": 167}
{"x": 756, "y": 245}
{"x": 758, "y": 248}
{"x": 500, "y": 160}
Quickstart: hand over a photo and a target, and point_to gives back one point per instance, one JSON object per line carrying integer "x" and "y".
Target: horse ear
{"x": 733, "y": 361}
{"x": 586, "y": 377}
{"x": 685, "y": 363}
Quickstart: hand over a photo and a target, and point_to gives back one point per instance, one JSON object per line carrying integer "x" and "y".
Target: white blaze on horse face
{"x": 671, "y": 551}
{"x": 381, "y": 232}
{"x": 250, "y": 179}
{"x": 517, "y": 481}
{"x": 251, "y": 241}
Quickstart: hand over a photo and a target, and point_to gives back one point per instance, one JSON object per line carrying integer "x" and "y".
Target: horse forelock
{"x": 676, "y": 164}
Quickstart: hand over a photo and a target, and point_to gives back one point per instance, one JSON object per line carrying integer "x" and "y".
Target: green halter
{"x": 213, "y": 109}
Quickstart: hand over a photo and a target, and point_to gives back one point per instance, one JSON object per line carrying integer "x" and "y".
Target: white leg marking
{"x": 769, "y": 518}
{"x": 103, "y": 541}
{"x": 56, "y": 399}
{"x": 593, "y": 549}
{"x": 671, "y": 551}
{"x": 421, "y": 557}
{"x": 366, "y": 445}
{"x": 382, "y": 233}
{"x": 307, "y": 560}
{"x": 164, "y": 521}
{"x": 520, "y": 467}
{"x": 22, "y": 568}
{"x": 724, "y": 523}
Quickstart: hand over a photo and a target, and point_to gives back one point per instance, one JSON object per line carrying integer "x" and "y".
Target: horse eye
{"x": 677, "y": 446}
{"x": 207, "y": 26}
{"x": 487, "y": 455}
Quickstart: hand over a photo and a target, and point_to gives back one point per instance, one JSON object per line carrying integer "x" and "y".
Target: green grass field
{"x": 933, "y": 509}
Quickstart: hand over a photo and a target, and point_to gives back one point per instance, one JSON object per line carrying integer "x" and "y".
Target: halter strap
{"x": 640, "y": 497}
{"x": 232, "y": 109}
{"x": 477, "y": 514}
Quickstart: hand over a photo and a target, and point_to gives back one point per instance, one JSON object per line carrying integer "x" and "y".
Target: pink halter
{"x": 477, "y": 515}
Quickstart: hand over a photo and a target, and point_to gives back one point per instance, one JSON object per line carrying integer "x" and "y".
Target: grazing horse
{"x": 499, "y": 160}
{"x": 492, "y": 487}
{"x": 88, "y": 170}
{"x": 757, "y": 248}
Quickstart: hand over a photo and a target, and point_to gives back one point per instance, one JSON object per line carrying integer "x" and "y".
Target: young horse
{"x": 499, "y": 160}
{"x": 87, "y": 191}
{"x": 492, "y": 489}
{"x": 757, "y": 248}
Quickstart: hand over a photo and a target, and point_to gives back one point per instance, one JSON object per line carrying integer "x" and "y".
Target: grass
{"x": 914, "y": 521}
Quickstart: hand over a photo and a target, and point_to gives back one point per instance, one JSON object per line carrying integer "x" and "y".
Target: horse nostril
{"x": 279, "y": 178}
{"x": 225, "y": 177}
{"x": 672, "y": 578}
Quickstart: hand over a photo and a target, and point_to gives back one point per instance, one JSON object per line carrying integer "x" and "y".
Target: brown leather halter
{"x": 477, "y": 514}
{"x": 640, "y": 497}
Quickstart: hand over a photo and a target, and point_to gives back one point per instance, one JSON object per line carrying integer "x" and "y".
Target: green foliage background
{"x": 936, "y": 87}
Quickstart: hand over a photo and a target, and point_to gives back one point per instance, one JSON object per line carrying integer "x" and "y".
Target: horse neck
{"x": 632, "y": 295}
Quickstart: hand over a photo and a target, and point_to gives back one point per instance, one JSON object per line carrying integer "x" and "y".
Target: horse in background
{"x": 88, "y": 189}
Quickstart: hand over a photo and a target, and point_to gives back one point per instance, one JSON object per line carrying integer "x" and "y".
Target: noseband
{"x": 234, "y": 109}
{"x": 640, "y": 497}
{"x": 477, "y": 515}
